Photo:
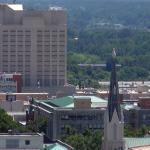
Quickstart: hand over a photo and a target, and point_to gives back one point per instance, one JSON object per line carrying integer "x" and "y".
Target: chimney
{"x": 82, "y": 102}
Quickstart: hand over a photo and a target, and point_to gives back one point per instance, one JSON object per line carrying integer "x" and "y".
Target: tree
{"x": 87, "y": 141}
{"x": 130, "y": 131}
{"x": 7, "y": 123}
{"x": 39, "y": 125}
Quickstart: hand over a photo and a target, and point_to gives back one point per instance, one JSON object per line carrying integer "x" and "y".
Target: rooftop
{"x": 19, "y": 134}
{"x": 16, "y": 7}
{"x": 68, "y": 101}
{"x": 10, "y": 93}
{"x": 128, "y": 106}
{"x": 136, "y": 142}
{"x": 141, "y": 148}
{"x": 55, "y": 146}
{"x": 56, "y": 8}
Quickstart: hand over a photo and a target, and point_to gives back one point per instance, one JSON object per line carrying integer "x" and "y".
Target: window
{"x": 46, "y": 82}
{"x": 54, "y": 82}
{"x": 27, "y": 142}
{"x": 61, "y": 82}
{"x": 27, "y": 81}
{"x": 12, "y": 143}
{"x": 115, "y": 131}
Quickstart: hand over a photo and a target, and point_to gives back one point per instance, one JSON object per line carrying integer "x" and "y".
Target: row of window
{"x": 29, "y": 31}
{"x": 39, "y": 41}
{"x": 14, "y": 143}
{"x": 81, "y": 117}
{"x": 39, "y": 47}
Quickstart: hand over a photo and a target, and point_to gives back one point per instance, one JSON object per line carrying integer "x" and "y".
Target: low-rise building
{"x": 29, "y": 141}
{"x": 77, "y": 112}
{"x": 136, "y": 116}
{"x": 22, "y": 141}
{"x": 17, "y": 104}
{"x": 14, "y": 108}
{"x": 82, "y": 112}
{"x": 11, "y": 82}
{"x": 25, "y": 96}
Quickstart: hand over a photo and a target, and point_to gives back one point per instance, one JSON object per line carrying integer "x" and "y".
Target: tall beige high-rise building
{"x": 33, "y": 43}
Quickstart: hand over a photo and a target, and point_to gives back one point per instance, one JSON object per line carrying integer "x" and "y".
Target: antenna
{"x": 107, "y": 65}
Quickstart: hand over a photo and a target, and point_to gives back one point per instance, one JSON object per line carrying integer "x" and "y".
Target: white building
{"x": 21, "y": 141}
{"x": 33, "y": 43}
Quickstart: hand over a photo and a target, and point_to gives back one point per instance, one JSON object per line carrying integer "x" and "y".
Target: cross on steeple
{"x": 107, "y": 65}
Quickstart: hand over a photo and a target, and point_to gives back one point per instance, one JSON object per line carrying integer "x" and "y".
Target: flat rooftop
{"x": 20, "y": 134}
{"x": 16, "y": 7}
{"x": 20, "y": 149}
{"x": 68, "y": 101}
{"x": 56, "y": 8}
{"x": 10, "y": 93}
{"x": 141, "y": 148}
{"x": 55, "y": 146}
{"x": 137, "y": 143}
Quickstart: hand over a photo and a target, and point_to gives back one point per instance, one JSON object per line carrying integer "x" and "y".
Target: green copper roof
{"x": 68, "y": 101}
{"x": 61, "y": 102}
{"x": 55, "y": 146}
{"x": 134, "y": 142}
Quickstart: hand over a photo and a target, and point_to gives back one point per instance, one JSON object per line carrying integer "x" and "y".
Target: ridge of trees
{"x": 95, "y": 46}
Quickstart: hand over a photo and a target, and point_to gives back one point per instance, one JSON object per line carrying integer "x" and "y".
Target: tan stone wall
{"x": 83, "y": 103}
{"x": 34, "y": 43}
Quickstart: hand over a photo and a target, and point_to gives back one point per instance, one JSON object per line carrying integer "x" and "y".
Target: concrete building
{"x": 81, "y": 112}
{"x": 15, "y": 108}
{"x": 136, "y": 116}
{"x": 29, "y": 141}
{"x": 10, "y": 82}
{"x": 24, "y": 96}
{"x": 128, "y": 85}
{"x": 77, "y": 112}
{"x": 23, "y": 141}
{"x": 128, "y": 90}
{"x": 33, "y": 43}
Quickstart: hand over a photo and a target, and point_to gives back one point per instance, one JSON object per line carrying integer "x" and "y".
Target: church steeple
{"x": 113, "y": 118}
{"x": 113, "y": 99}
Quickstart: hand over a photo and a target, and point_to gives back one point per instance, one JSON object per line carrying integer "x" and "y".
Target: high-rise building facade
{"x": 33, "y": 43}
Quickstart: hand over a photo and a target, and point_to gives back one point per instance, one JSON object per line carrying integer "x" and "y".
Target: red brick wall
{"x": 18, "y": 79}
{"x": 144, "y": 102}
{"x": 82, "y": 103}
